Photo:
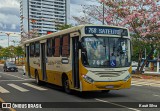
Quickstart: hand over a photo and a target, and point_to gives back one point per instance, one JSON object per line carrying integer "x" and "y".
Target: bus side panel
{"x": 54, "y": 70}
{"x": 34, "y": 65}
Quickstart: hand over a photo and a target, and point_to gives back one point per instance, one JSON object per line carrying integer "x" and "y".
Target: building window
{"x": 57, "y": 43}
{"x": 37, "y": 49}
{"x": 49, "y": 47}
{"x": 65, "y": 46}
{"x": 32, "y": 49}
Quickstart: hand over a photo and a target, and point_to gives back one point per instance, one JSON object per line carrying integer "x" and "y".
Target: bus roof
{"x": 65, "y": 31}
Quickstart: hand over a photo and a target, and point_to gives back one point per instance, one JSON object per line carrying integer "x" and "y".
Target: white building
{"x": 43, "y": 16}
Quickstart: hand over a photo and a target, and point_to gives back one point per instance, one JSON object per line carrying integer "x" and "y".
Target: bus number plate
{"x": 109, "y": 86}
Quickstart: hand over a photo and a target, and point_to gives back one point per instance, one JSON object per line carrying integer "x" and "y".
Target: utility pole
{"x": 103, "y": 13}
{"x": 8, "y": 34}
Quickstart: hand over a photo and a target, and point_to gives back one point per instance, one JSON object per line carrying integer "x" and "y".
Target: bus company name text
{"x": 24, "y": 105}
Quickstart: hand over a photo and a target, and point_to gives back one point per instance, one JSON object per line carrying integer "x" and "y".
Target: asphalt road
{"x": 14, "y": 87}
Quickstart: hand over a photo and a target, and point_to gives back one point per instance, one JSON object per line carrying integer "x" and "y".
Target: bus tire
{"x": 65, "y": 82}
{"x": 37, "y": 78}
{"x": 105, "y": 91}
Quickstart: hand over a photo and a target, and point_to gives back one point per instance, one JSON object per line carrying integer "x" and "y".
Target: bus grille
{"x": 108, "y": 73}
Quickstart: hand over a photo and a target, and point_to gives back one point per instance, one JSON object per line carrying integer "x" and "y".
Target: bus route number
{"x": 92, "y": 30}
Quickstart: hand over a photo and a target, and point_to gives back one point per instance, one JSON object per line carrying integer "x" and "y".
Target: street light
{"x": 103, "y": 13}
{"x": 8, "y": 34}
{"x": 14, "y": 42}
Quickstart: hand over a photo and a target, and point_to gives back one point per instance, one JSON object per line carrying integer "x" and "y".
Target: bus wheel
{"x": 66, "y": 85}
{"x": 37, "y": 78}
{"x": 105, "y": 91}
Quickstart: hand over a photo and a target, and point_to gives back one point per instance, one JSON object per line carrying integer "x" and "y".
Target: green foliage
{"x": 11, "y": 51}
{"x": 139, "y": 45}
{"x": 19, "y": 51}
{"x": 1, "y": 47}
{"x": 64, "y": 26}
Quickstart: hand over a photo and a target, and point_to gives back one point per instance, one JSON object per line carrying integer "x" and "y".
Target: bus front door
{"x": 43, "y": 62}
{"x": 75, "y": 62}
{"x": 27, "y": 59}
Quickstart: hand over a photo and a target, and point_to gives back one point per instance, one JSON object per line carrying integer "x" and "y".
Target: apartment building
{"x": 42, "y": 16}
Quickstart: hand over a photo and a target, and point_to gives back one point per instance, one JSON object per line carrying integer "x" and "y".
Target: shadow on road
{"x": 84, "y": 95}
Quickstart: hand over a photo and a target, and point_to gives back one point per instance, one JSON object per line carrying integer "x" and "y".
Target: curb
{"x": 146, "y": 76}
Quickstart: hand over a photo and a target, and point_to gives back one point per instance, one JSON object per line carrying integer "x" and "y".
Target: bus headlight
{"x": 127, "y": 77}
{"x": 88, "y": 79}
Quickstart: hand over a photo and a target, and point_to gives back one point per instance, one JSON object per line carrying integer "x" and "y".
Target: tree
{"x": 141, "y": 17}
{"x": 18, "y": 52}
{"x": 5, "y": 52}
{"x": 64, "y": 26}
{"x": 1, "y": 47}
{"x": 92, "y": 14}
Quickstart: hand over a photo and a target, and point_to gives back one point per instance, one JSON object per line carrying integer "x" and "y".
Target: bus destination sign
{"x": 105, "y": 30}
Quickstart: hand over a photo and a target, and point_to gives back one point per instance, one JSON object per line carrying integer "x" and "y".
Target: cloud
{"x": 9, "y": 3}
{"x": 9, "y": 19}
{"x": 9, "y": 15}
{"x": 4, "y": 40}
{"x": 76, "y": 8}
{"x": 13, "y": 26}
{"x": 77, "y": 1}
{"x": 10, "y": 11}
{"x": 84, "y": 2}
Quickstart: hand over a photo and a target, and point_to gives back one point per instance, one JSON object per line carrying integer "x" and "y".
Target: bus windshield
{"x": 106, "y": 52}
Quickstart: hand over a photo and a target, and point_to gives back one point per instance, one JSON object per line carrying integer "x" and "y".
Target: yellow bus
{"x": 81, "y": 58}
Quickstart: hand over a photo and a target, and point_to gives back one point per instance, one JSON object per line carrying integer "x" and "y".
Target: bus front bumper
{"x": 95, "y": 86}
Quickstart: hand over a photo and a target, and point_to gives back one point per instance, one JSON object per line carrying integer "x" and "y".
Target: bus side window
{"x": 57, "y": 47}
{"x": 32, "y": 49}
{"x": 37, "y": 49}
{"x": 53, "y": 46}
{"x": 49, "y": 47}
{"x": 65, "y": 46}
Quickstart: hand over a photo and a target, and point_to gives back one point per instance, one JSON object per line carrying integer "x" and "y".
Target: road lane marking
{"x": 11, "y": 75}
{"x": 136, "y": 85}
{"x": 139, "y": 82}
{"x": 147, "y": 81}
{"x": 2, "y": 90}
{"x": 17, "y": 80}
{"x": 33, "y": 86}
{"x": 18, "y": 87}
{"x": 155, "y": 85}
{"x": 117, "y": 104}
{"x": 156, "y": 95}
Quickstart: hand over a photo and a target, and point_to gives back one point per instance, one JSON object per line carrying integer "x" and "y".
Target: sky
{"x": 10, "y": 16}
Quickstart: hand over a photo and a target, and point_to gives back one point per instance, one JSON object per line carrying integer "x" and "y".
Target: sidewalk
{"x": 153, "y": 76}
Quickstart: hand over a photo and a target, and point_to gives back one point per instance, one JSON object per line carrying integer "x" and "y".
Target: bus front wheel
{"x": 66, "y": 85}
{"x": 105, "y": 91}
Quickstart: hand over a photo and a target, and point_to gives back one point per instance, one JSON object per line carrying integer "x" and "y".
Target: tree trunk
{"x": 139, "y": 61}
{"x": 15, "y": 59}
{"x": 18, "y": 59}
{"x": 144, "y": 63}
